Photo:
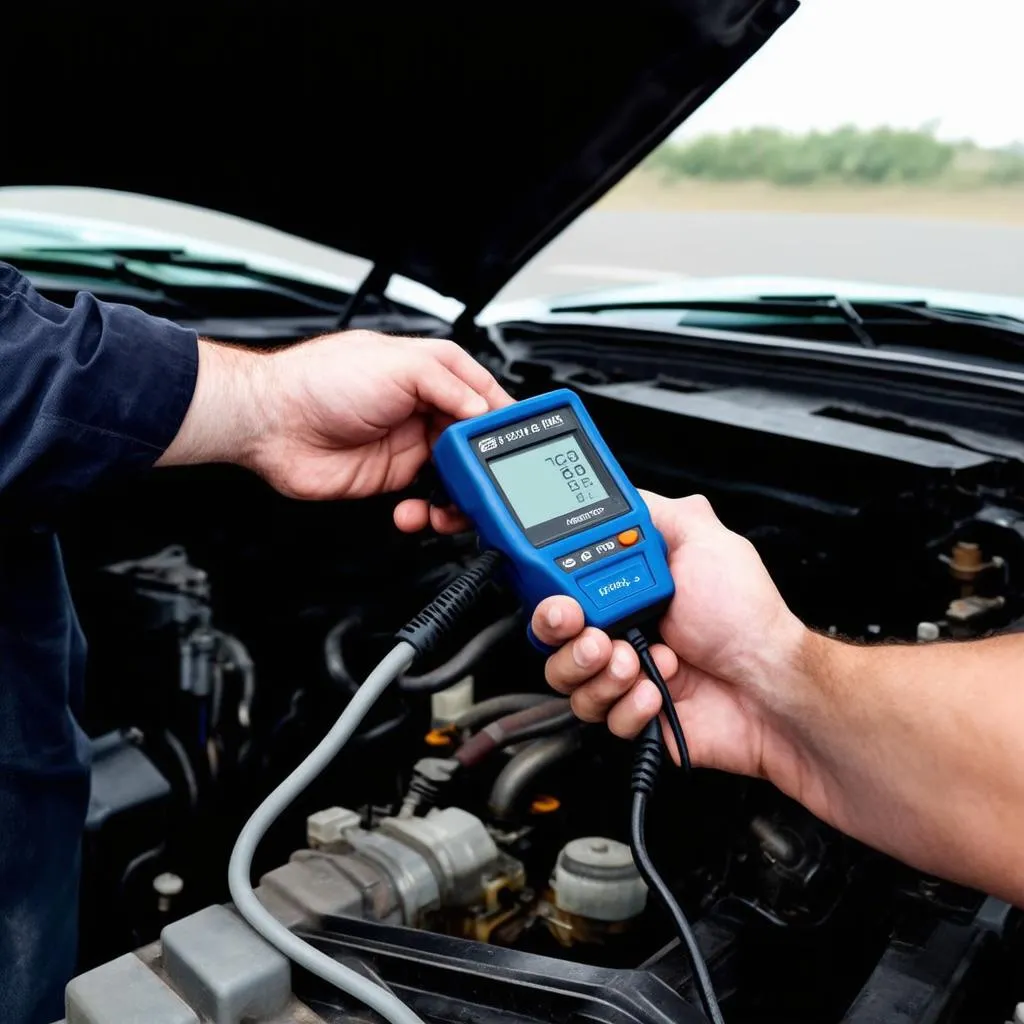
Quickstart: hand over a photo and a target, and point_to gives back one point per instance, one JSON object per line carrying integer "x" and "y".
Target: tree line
{"x": 845, "y": 156}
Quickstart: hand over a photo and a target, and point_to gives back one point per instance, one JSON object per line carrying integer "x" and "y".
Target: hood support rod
{"x": 375, "y": 283}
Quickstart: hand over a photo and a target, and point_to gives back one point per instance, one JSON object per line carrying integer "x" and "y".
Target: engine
{"x": 468, "y": 848}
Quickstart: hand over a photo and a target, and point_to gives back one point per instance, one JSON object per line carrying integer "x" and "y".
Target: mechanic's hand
{"x": 341, "y": 416}
{"x": 732, "y": 655}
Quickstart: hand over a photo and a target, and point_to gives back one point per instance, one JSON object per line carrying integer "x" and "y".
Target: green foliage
{"x": 847, "y": 156}
{"x": 1007, "y": 168}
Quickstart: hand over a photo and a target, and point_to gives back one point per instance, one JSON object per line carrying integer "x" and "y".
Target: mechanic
{"x": 913, "y": 749}
{"x": 101, "y": 390}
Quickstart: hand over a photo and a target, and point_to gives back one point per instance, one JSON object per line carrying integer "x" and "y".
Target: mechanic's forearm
{"x": 926, "y": 744}
{"x": 230, "y": 410}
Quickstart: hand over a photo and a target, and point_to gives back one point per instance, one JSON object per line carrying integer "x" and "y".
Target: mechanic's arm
{"x": 924, "y": 745}
{"x": 915, "y": 750}
{"x": 103, "y": 388}
{"x": 82, "y": 390}
{"x": 342, "y": 416}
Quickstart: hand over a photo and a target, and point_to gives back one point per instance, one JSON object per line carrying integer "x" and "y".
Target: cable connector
{"x": 425, "y": 629}
{"x": 429, "y": 776}
{"x": 639, "y": 643}
{"x": 647, "y": 758}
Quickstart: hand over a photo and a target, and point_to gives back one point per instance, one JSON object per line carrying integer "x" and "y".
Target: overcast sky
{"x": 874, "y": 62}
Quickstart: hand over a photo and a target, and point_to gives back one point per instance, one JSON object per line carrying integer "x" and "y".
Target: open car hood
{"x": 444, "y": 142}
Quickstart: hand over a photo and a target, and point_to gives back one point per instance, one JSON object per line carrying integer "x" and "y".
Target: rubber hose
{"x": 485, "y": 711}
{"x": 511, "y": 729}
{"x": 545, "y": 727}
{"x": 526, "y": 767}
{"x": 333, "y": 657}
{"x": 463, "y": 661}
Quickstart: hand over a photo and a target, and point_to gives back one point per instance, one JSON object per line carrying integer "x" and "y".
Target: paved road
{"x": 613, "y": 247}
{"x": 618, "y": 247}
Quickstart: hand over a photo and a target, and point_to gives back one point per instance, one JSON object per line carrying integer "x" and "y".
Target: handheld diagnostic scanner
{"x": 541, "y": 487}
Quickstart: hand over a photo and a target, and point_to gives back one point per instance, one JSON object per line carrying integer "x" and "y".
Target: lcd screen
{"x": 548, "y": 480}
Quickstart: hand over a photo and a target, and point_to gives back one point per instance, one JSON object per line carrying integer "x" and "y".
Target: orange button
{"x": 628, "y": 538}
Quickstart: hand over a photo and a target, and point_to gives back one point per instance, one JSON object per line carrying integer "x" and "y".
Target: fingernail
{"x": 620, "y": 667}
{"x": 554, "y": 617}
{"x": 476, "y": 406}
{"x": 585, "y": 651}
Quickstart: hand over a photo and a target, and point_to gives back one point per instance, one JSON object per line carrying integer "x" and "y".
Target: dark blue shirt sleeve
{"x": 85, "y": 393}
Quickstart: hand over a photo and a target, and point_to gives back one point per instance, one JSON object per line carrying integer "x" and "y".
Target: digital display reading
{"x": 548, "y": 480}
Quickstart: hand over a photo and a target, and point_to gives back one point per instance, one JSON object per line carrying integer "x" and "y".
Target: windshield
{"x": 186, "y": 262}
{"x": 871, "y": 150}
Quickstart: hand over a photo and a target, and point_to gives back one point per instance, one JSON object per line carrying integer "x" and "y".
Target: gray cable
{"x": 377, "y": 998}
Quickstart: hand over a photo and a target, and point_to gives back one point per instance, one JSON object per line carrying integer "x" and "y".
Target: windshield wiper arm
{"x": 312, "y": 296}
{"x": 79, "y": 267}
{"x": 864, "y": 317}
{"x": 856, "y": 322}
{"x": 920, "y": 311}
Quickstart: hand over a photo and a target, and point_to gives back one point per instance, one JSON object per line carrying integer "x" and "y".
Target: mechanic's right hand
{"x": 341, "y": 416}
{"x": 734, "y": 656}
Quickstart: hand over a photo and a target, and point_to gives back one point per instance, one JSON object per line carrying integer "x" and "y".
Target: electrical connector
{"x": 427, "y": 627}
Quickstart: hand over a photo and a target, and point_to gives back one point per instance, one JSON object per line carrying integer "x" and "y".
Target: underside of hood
{"x": 445, "y": 142}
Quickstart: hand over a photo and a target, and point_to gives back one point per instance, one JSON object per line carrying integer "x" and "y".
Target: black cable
{"x": 646, "y": 763}
{"x": 639, "y": 643}
{"x": 648, "y": 872}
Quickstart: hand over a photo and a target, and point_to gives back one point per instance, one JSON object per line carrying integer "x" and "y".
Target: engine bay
{"x": 469, "y": 845}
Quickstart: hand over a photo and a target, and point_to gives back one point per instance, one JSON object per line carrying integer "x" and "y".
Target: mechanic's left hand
{"x": 342, "y": 416}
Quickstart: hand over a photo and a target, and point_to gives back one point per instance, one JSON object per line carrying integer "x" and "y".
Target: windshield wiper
{"x": 130, "y": 265}
{"x": 870, "y": 322}
{"x": 919, "y": 311}
{"x": 855, "y": 321}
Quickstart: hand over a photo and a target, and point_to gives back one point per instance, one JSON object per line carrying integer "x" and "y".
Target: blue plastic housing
{"x": 617, "y": 584}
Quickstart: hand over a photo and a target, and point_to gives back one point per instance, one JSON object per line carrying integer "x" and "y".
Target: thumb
{"x": 448, "y": 394}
